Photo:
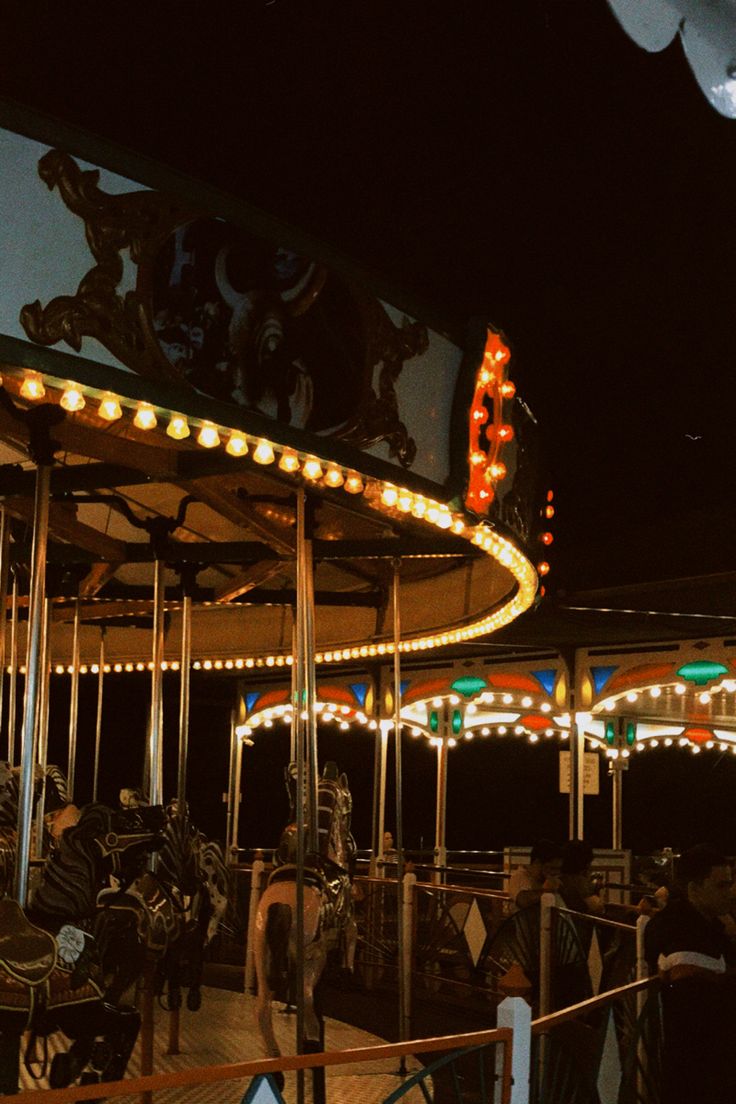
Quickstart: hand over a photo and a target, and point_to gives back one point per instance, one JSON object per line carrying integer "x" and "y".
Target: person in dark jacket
{"x": 687, "y": 946}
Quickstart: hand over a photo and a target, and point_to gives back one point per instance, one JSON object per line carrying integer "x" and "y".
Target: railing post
{"x": 514, "y": 1012}
{"x": 256, "y": 876}
{"x": 407, "y": 923}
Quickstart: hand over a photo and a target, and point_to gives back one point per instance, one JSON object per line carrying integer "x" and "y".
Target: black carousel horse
{"x": 178, "y": 909}
{"x": 51, "y": 977}
{"x": 56, "y": 795}
{"x": 328, "y": 914}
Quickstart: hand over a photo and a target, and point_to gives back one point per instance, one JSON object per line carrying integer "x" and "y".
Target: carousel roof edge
{"x": 140, "y": 168}
{"x": 167, "y": 395}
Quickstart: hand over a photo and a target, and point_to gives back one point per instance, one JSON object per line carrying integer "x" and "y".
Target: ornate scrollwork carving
{"x": 229, "y": 314}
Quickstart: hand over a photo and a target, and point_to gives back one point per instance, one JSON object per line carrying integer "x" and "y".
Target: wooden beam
{"x": 247, "y": 580}
{"x": 63, "y": 524}
{"x": 225, "y": 501}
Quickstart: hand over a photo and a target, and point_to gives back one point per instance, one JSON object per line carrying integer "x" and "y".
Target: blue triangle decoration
{"x": 360, "y": 691}
{"x": 250, "y": 700}
{"x": 601, "y": 675}
{"x": 262, "y": 1090}
{"x": 405, "y": 683}
{"x": 546, "y": 679}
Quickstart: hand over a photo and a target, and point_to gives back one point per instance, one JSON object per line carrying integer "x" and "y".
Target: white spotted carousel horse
{"x": 328, "y": 914}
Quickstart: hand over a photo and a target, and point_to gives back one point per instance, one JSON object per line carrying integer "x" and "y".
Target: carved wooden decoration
{"x": 229, "y": 315}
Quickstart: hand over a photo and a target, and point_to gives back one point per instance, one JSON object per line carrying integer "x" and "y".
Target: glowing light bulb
{"x": 145, "y": 417}
{"x": 543, "y": 568}
{"x": 655, "y": 691}
{"x": 389, "y": 495}
{"x": 32, "y": 387}
{"x": 289, "y": 461}
{"x": 236, "y": 444}
{"x": 263, "y": 452}
{"x": 110, "y": 408}
{"x": 354, "y": 483}
{"x": 498, "y": 470}
{"x": 72, "y": 399}
{"x": 178, "y": 427}
{"x": 208, "y": 436}
{"x": 334, "y": 476}
{"x": 404, "y": 501}
{"x": 680, "y": 688}
{"x": 549, "y": 511}
{"x": 508, "y": 389}
{"x": 312, "y": 468}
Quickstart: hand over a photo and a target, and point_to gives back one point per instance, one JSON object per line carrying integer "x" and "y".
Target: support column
{"x": 13, "y": 688}
{"x": 404, "y": 988}
{"x": 231, "y": 795}
{"x": 577, "y": 751}
{"x": 155, "y": 743}
{"x": 98, "y": 719}
{"x": 33, "y": 677}
{"x": 184, "y": 670}
{"x": 73, "y": 705}
{"x": 440, "y": 830}
{"x": 4, "y": 580}
{"x": 617, "y": 795}
{"x": 42, "y": 738}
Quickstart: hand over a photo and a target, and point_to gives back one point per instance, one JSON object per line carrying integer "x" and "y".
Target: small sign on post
{"x": 591, "y": 783}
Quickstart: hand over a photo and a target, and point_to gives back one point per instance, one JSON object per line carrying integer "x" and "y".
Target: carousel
{"x": 217, "y": 453}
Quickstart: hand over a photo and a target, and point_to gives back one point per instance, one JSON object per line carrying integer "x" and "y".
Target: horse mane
{"x": 75, "y": 871}
{"x": 177, "y": 859}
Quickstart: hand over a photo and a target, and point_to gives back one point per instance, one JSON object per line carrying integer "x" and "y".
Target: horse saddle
{"x": 27, "y": 953}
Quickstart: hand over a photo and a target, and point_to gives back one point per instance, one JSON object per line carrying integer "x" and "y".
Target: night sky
{"x": 523, "y": 161}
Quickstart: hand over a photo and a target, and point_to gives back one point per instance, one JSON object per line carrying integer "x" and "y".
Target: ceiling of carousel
{"x": 527, "y": 163}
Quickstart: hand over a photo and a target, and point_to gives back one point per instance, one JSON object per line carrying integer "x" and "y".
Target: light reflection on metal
{"x": 98, "y": 722}
{"x": 33, "y": 674}
{"x": 74, "y": 704}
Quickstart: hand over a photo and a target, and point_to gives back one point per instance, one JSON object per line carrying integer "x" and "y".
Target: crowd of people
{"x": 690, "y": 944}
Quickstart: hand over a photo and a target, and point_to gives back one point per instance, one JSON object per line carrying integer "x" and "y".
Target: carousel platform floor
{"x": 223, "y": 1031}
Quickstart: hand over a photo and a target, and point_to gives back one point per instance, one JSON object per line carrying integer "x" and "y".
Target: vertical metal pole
{"x": 617, "y": 787}
{"x": 186, "y": 660}
{"x": 4, "y": 578}
{"x": 42, "y": 740}
{"x": 300, "y": 786}
{"x": 98, "y": 722}
{"x": 404, "y": 989}
{"x": 155, "y": 744}
{"x": 236, "y": 799}
{"x": 296, "y": 703}
{"x": 440, "y": 834}
{"x": 73, "y": 704}
{"x": 13, "y": 690}
{"x": 31, "y": 702}
{"x": 310, "y": 684}
{"x": 234, "y": 740}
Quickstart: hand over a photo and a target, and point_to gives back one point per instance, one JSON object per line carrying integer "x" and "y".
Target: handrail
{"x": 494, "y": 894}
{"x": 595, "y": 919}
{"x": 554, "y": 1019}
{"x": 205, "y": 1075}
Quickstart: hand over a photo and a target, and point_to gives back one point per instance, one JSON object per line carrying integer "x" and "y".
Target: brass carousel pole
{"x": 73, "y": 704}
{"x": 98, "y": 721}
{"x": 33, "y": 676}
{"x": 306, "y": 748}
{"x": 186, "y": 660}
{"x": 403, "y": 987}
{"x": 13, "y": 676}
{"x": 4, "y": 579}
{"x": 43, "y": 723}
{"x": 155, "y": 742}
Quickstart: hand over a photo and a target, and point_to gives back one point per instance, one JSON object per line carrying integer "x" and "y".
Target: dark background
{"x": 523, "y": 161}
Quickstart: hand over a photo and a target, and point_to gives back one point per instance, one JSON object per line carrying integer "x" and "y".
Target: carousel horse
{"x": 193, "y": 872}
{"x": 51, "y": 975}
{"x": 56, "y": 790}
{"x": 328, "y": 914}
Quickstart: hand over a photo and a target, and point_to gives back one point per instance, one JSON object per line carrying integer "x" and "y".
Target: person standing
{"x": 687, "y": 945}
{"x": 541, "y": 875}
